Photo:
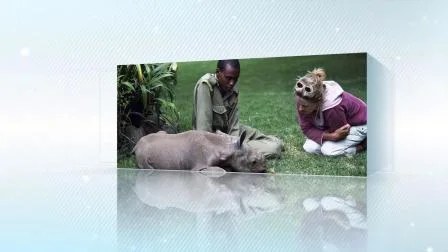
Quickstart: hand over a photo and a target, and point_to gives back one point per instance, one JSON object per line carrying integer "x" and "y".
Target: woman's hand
{"x": 341, "y": 133}
{"x": 338, "y": 134}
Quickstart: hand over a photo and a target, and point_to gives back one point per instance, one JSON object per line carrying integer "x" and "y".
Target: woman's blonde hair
{"x": 319, "y": 73}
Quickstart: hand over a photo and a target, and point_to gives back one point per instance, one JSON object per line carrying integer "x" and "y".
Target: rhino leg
{"x": 212, "y": 171}
{"x": 145, "y": 165}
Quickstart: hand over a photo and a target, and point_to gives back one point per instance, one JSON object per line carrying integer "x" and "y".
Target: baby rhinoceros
{"x": 198, "y": 151}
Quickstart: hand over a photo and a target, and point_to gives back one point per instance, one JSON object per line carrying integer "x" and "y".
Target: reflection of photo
{"x": 235, "y": 193}
{"x": 304, "y": 114}
{"x": 208, "y": 210}
{"x": 333, "y": 224}
{"x": 167, "y": 210}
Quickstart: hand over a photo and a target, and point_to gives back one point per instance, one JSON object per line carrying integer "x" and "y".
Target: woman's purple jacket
{"x": 350, "y": 109}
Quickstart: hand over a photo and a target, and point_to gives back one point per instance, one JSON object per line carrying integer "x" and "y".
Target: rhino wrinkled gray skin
{"x": 198, "y": 151}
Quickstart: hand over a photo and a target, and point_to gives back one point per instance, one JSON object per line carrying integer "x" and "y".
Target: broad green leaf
{"x": 144, "y": 89}
{"x": 157, "y": 86}
{"x": 159, "y": 78}
{"x": 128, "y": 84}
{"x": 166, "y": 103}
{"x": 148, "y": 70}
{"x": 120, "y": 76}
{"x": 144, "y": 96}
{"x": 160, "y": 67}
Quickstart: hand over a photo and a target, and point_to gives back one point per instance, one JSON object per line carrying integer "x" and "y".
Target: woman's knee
{"x": 331, "y": 149}
{"x": 311, "y": 147}
{"x": 360, "y": 130}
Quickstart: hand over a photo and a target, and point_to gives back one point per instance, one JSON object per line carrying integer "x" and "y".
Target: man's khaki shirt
{"x": 213, "y": 111}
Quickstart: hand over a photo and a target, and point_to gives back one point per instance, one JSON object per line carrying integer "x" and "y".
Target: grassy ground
{"x": 267, "y": 103}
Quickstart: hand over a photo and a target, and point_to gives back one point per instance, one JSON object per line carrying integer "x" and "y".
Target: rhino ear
{"x": 242, "y": 137}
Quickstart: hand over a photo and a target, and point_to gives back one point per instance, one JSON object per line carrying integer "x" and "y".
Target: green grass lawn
{"x": 266, "y": 102}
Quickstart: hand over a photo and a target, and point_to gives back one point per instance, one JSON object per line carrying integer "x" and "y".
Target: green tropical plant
{"x": 145, "y": 102}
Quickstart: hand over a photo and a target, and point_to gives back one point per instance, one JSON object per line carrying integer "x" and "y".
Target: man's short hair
{"x": 234, "y": 63}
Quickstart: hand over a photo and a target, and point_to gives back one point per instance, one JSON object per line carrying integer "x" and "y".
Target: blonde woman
{"x": 333, "y": 121}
